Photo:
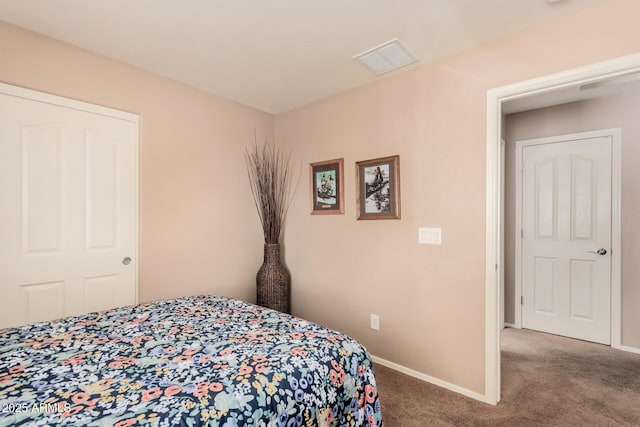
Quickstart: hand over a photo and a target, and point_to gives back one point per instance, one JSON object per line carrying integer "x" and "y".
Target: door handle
{"x": 601, "y": 251}
{"x": 127, "y": 260}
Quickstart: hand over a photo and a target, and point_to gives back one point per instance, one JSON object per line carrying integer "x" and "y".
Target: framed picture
{"x": 327, "y": 187}
{"x": 378, "y": 193}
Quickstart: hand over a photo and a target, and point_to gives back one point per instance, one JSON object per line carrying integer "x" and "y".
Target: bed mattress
{"x": 194, "y": 361}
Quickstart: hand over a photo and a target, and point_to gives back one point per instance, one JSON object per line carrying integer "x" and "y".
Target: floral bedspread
{"x": 194, "y": 361}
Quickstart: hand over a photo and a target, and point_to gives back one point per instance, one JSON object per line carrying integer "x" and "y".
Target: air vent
{"x": 613, "y": 81}
{"x": 387, "y": 57}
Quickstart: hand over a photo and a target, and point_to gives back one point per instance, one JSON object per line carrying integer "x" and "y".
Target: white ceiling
{"x": 581, "y": 92}
{"x": 275, "y": 55}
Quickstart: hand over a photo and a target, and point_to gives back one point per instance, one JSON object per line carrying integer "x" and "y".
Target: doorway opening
{"x": 557, "y": 89}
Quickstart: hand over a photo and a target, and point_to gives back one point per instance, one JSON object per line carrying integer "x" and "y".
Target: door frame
{"x": 61, "y": 101}
{"x": 616, "y": 197}
{"x": 495, "y": 98}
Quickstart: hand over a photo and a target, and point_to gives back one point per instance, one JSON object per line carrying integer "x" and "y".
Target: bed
{"x": 193, "y": 361}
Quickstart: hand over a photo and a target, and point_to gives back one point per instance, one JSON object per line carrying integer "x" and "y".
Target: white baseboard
{"x": 625, "y": 348}
{"x": 429, "y": 379}
{"x": 509, "y": 325}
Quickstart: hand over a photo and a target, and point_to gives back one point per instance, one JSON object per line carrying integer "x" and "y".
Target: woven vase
{"x": 273, "y": 281}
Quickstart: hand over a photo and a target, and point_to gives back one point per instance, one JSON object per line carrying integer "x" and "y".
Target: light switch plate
{"x": 430, "y": 235}
{"x": 375, "y": 322}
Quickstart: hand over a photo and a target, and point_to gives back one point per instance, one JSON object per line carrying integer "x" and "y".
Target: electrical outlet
{"x": 375, "y": 322}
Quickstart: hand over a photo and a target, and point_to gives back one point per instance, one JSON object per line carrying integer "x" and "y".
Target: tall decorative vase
{"x": 273, "y": 280}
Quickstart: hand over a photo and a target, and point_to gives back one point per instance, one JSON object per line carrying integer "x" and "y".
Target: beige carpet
{"x": 546, "y": 381}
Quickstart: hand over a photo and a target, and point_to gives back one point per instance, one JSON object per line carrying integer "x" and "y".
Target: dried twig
{"x": 270, "y": 180}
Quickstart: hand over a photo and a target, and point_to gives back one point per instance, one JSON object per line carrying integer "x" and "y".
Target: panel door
{"x": 68, "y": 217}
{"x": 566, "y": 284}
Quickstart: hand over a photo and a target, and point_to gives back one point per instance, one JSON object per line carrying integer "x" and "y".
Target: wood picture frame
{"x": 327, "y": 187}
{"x": 378, "y": 188}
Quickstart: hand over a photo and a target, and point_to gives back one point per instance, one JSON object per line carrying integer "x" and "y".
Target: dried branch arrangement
{"x": 270, "y": 178}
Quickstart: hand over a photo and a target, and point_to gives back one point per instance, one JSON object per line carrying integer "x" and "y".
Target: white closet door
{"x": 68, "y": 189}
{"x": 566, "y": 258}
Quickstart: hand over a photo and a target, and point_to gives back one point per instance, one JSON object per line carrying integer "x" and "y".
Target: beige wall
{"x": 617, "y": 111}
{"x": 199, "y": 232}
{"x": 430, "y": 298}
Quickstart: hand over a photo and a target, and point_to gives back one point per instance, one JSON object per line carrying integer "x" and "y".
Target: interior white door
{"x": 68, "y": 190}
{"x": 566, "y": 218}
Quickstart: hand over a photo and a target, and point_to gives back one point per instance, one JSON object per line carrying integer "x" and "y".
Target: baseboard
{"x": 509, "y": 325}
{"x": 624, "y": 348}
{"x": 429, "y": 379}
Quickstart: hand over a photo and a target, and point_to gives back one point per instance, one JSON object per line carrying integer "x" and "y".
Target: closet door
{"x": 68, "y": 217}
{"x": 566, "y": 241}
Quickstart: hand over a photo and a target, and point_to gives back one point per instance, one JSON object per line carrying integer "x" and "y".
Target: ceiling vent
{"x": 387, "y": 57}
{"x": 632, "y": 78}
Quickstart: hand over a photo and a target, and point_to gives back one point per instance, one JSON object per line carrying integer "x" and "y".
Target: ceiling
{"x": 601, "y": 88}
{"x": 275, "y": 55}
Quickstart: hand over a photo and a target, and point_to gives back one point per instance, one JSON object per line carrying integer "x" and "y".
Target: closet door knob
{"x": 601, "y": 251}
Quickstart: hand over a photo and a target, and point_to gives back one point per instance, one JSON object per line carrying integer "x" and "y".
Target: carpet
{"x": 547, "y": 380}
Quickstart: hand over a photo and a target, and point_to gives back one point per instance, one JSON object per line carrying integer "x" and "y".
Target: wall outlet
{"x": 375, "y": 322}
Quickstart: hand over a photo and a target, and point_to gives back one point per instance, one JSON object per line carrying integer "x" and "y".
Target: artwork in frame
{"x": 327, "y": 187}
{"x": 378, "y": 192}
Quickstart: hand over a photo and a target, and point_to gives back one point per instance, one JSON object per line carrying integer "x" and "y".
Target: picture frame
{"x": 327, "y": 187}
{"x": 378, "y": 188}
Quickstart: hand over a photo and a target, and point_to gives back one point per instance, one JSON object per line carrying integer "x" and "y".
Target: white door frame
{"x": 616, "y": 198}
{"x": 495, "y": 98}
{"x": 61, "y": 101}
{"x": 501, "y": 213}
